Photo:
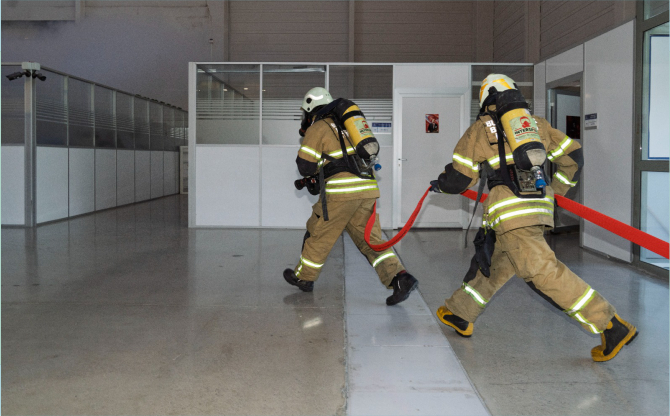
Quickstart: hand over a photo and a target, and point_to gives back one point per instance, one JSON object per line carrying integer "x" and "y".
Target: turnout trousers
{"x": 321, "y": 235}
{"x": 525, "y": 252}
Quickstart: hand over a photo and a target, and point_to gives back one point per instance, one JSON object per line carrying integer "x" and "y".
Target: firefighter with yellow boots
{"x": 337, "y": 159}
{"x": 508, "y": 147}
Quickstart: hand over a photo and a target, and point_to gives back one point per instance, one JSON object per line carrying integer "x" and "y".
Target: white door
{"x": 424, "y": 155}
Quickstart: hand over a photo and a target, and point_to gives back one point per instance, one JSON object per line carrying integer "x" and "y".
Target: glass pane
{"x": 80, "y": 108}
{"x": 654, "y": 7}
{"x": 655, "y": 101}
{"x": 179, "y": 127}
{"x": 13, "y": 111}
{"x": 168, "y": 128}
{"x": 227, "y": 106}
{"x": 284, "y": 87}
{"x": 105, "y": 125}
{"x": 124, "y": 121}
{"x": 655, "y": 213}
{"x": 156, "y": 117}
{"x": 51, "y": 108}
{"x": 141, "y": 111}
{"x": 522, "y": 75}
{"x": 371, "y": 88}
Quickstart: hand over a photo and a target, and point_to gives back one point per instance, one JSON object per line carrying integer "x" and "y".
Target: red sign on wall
{"x": 432, "y": 123}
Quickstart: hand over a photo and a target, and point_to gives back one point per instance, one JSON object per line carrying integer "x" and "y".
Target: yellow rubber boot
{"x": 617, "y": 334}
{"x": 462, "y": 327}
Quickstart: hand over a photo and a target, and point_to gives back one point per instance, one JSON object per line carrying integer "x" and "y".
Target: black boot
{"x": 403, "y": 283}
{"x": 291, "y": 278}
{"x": 617, "y": 334}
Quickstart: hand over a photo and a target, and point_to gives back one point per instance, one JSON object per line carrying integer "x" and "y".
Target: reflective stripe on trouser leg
{"x": 474, "y": 294}
{"x": 536, "y": 262}
{"x": 322, "y": 237}
{"x": 385, "y": 263}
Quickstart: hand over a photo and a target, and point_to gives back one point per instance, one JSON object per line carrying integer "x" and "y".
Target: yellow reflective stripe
{"x": 466, "y": 162}
{"x": 514, "y": 200}
{"x": 521, "y": 213}
{"x": 475, "y": 295}
{"x": 350, "y": 150}
{"x": 496, "y": 159}
{"x": 310, "y": 263}
{"x": 560, "y": 149}
{"x": 349, "y": 180}
{"x": 593, "y": 328}
{"x": 563, "y": 179}
{"x": 297, "y": 274}
{"x": 350, "y": 190}
{"x": 382, "y": 258}
{"x": 582, "y": 301}
{"x": 310, "y": 151}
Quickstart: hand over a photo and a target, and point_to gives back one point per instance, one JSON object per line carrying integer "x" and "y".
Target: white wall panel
{"x": 169, "y": 173}
{"x": 142, "y": 175}
{"x": 157, "y": 174}
{"x": 283, "y": 205}
{"x": 125, "y": 177}
{"x": 563, "y": 65}
{"x": 13, "y": 185}
{"x": 228, "y": 186}
{"x": 437, "y": 77}
{"x": 82, "y": 181}
{"x": 105, "y": 178}
{"x": 52, "y": 183}
{"x": 540, "y": 90}
{"x": 607, "y": 174}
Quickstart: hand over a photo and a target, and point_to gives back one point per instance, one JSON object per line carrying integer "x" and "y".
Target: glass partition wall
{"x": 73, "y": 113}
{"x": 252, "y": 104}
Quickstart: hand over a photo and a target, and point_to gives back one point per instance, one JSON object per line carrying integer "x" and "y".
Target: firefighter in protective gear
{"x": 350, "y": 200}
{"x": 518, "y": 224}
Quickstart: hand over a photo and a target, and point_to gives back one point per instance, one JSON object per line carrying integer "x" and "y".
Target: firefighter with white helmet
{"x": 507, "y": 147}
{"x": 348, "y": 191}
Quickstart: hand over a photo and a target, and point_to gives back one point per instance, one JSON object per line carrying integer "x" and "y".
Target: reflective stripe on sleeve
{"x": 560, "y": 149}
{"x": 382, "y": 258}
{"x": 466, "y": 162}
{"x": 561, "y": 178}
{"x": 481, "y": 301}
{"x": 311, "y": 152}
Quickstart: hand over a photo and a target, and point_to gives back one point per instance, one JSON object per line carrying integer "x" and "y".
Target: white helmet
{"x": 315, "y": 97}
{"x": 499, "y": 81}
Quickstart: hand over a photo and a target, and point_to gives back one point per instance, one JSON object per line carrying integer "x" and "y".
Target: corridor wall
{"x": 607, "y": 176}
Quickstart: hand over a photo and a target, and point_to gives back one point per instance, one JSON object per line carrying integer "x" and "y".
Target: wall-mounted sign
{"x": 432, "y": 123}
{"x": 591, "y": 121}
{"x": 383, "y": 128}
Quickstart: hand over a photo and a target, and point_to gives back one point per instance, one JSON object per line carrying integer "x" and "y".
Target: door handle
{"x": 402, "y": 159}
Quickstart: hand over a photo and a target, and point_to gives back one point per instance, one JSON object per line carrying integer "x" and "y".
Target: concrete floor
{"x": 128, "y": 311}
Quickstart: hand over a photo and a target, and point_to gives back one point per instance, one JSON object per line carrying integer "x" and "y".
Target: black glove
{"x": 435, "y": 187}
{"x": 485, "y": 241}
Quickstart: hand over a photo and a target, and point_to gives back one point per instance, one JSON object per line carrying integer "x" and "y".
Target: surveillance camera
{"x": 14, "y": 76}
{"x": 39, "y": 76}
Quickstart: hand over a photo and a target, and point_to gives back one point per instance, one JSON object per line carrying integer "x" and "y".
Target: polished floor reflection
{"x": 128, "y": 311}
